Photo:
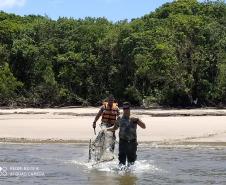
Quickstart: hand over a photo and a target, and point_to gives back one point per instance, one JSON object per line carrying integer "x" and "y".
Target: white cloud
{"x": 12, "y": 3}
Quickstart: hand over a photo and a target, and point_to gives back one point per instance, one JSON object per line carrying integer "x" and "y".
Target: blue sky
{"x": 113, "y": 10}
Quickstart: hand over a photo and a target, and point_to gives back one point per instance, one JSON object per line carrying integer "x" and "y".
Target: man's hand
{"x": 94, "y": 124}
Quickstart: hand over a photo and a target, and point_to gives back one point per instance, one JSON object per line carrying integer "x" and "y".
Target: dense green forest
{"x": 174, "y": 56}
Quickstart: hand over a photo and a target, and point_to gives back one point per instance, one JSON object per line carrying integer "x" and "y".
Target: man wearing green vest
{"x": 127, "y": 136}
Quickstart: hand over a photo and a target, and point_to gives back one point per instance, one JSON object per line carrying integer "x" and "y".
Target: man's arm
{"x": 118, "y": 112}
{"x": 138, "y": 122}
{"x": 141, "y": 124}
{"x": 97, "y": 117}
{"x": 115, "y": 126}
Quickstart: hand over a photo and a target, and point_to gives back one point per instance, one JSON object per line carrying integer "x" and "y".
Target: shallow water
{"x": 66, "y": 164}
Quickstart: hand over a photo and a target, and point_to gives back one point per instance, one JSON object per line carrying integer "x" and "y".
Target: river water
{"x": 67, "y": 164}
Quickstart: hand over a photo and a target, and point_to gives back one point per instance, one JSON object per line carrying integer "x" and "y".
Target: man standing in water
{"x": 127, "y": 136}
{"x": 109, "y": 112}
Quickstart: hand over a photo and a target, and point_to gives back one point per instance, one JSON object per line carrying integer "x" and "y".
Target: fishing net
{"x": 102, "y": 147}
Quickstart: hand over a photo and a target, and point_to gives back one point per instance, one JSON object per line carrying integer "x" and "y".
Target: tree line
{"x": 174, "y": 56}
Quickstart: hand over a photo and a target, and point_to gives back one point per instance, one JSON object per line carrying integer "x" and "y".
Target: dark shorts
{"x": 127, "y": 151}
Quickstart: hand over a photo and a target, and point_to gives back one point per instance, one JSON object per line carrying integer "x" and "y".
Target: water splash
{"x": 140, "y": 166}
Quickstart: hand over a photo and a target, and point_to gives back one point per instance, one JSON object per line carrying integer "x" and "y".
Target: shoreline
{"x": 74, "y": 125}
{"x": 86, "y": 142}
{"x": 92, "y": 111}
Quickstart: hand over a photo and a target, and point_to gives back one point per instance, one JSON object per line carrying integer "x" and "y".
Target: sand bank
{"x": 73, "y": 125}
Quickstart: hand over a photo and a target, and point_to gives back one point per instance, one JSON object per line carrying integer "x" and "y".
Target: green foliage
{"x": 133, "y": 95}
{"x": 8, "y": 85}
{"x": 174, "y": 56}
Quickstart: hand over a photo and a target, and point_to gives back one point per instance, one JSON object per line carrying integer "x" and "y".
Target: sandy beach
{"x": 73, "y": 125}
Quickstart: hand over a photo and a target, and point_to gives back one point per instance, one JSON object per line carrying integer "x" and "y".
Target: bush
{"x": 8, "y": 85}
{"x": 133, "y": 95}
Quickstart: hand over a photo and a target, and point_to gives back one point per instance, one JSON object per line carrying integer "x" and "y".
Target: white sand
{"x": 67, "y": 124}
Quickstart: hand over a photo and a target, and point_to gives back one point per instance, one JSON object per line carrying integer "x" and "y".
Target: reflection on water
{"x": 127, "y": 180}
{"x": 67, "y": 164}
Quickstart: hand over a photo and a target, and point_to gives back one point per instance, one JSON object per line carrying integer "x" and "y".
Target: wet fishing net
{"x": 102, "y": 147}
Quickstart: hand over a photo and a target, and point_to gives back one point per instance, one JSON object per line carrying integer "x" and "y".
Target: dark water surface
{"x": 66, "y": 164}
